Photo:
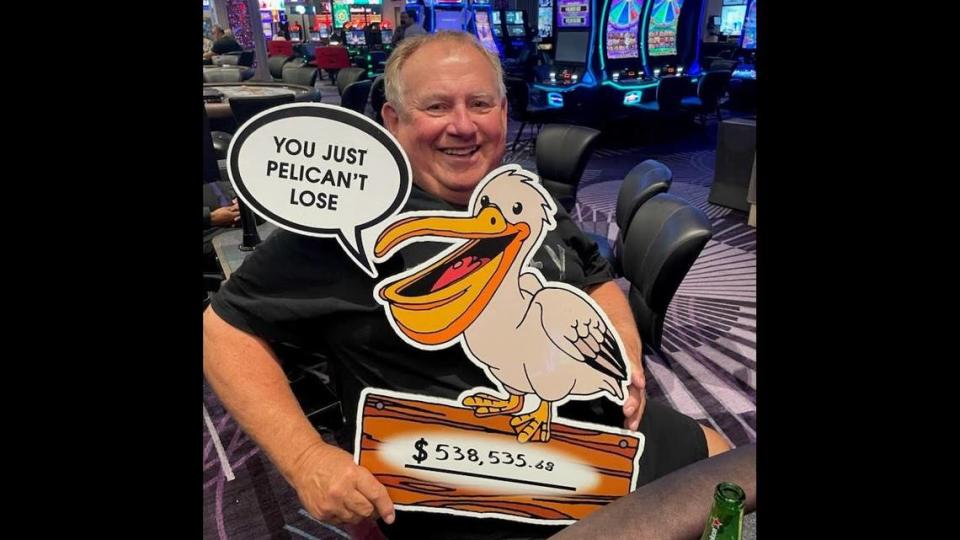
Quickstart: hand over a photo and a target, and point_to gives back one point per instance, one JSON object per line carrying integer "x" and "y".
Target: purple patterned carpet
{"x": 707, "y": 369}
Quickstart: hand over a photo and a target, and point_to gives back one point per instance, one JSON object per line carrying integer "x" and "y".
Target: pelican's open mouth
{"x": 435, "y": 304}
{"x": 462, "y": 263}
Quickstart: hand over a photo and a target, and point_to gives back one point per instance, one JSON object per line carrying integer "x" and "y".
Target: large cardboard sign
{"x": 541, "y": 343}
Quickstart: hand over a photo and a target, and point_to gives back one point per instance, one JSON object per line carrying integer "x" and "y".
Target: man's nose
{"x": 461, "y": 122}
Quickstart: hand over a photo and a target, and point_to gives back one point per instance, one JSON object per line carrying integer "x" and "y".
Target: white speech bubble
{"x": 321, "y": 171}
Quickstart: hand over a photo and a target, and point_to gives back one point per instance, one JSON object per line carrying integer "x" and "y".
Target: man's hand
{"x": 636, "y": 400}
{"x": 611, "y": 299}
{"x": 227, "y": 216}
{"x": 336, "y": 490}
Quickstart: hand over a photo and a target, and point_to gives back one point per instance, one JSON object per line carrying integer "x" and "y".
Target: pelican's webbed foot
{"x": 533, "y": 426}
{"x": 484, "y": 405}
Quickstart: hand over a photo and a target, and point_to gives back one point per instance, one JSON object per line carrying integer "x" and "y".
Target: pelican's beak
{"x": 435, "y": 305}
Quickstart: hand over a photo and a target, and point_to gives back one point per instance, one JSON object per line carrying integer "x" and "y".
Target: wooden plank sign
{"x": 436, "y": 456}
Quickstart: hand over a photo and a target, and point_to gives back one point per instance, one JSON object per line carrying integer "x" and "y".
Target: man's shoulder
{"x": 227, "y": 42}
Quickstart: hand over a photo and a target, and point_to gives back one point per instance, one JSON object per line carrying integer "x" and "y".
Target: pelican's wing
{"x": 530, "y": 283}
{"x": 575, "y": 327}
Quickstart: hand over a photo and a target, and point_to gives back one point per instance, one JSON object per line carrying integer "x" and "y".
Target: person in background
{"x": 221, "y": 212}
{"x": 408, "y": 27}
{"x": 223, "y": 42}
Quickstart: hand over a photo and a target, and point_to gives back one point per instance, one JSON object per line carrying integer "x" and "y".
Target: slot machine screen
{"x": 484, "y": 32}
{"x": 449, "y": 20}
{"x": 749, "y": 36}
{"x": 386, "y": 35}
{"x": 515, "y": 17}
{"x": 623, "y": 27}
{"x": 356, "y": 38}
{"x": 731, "y": 19}
{"x": 662, "y": 27}
{"x": 545, "y": 18}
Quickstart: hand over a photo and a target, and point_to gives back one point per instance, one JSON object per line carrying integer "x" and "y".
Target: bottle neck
{"x": 726, "y": 516}
{"x": 725, "y": 523}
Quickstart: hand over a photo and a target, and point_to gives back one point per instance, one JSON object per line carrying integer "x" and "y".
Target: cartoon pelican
{"x": 533, "y": 337}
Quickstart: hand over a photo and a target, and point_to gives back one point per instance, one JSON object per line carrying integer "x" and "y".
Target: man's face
{"x": 217, "y": 33}
{"x": 404, "y": 19}
{"x": 454, "y": 127}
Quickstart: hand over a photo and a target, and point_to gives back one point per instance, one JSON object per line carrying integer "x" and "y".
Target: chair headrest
{"x": 348, "y": 76}
{"x": 664, "y": 239}
{"x": 645, "y": 180}
{"x": 563, "y": 152}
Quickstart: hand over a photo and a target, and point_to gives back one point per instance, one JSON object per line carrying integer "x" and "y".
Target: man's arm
{"x": 249, "y": 381}
{"x": 611, "y": 299}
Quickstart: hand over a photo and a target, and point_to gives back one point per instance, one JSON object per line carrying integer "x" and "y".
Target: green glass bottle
{"x": 726, "y": 517}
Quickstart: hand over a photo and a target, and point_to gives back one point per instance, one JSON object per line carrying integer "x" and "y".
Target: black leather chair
{"x": 302, "y": 75}
{"x": 232, "y": 58}
{"x": 562, "y": 154}
{"x": 670, "y": 92}
{"x": 246, "y": 58}
{"x": 221, "y": 143}
{"x": 378, "y": 97}
{"x": 664, "y": 238}
{"x": 348, "y": 76}
{"x": 222, "y": 75}
{"x": 246, "y": 107}
{"x": 723, "y": 65}
{"x": 275, "y": 64}
{"x": 645, "y": 180}
{"x": 520, "y": 109}
{"x": 710, "y": 89}
{"x": 355, "y": 96}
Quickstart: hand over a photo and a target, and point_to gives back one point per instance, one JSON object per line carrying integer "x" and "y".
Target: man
{"x": 446, "y": 105}
{"x": 408, "y": 27}
{"x": 222, "y": 43}
{"x": 220, "y": 213}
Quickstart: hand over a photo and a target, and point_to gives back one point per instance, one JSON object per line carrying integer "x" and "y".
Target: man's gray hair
{"x": 392, "y": 81}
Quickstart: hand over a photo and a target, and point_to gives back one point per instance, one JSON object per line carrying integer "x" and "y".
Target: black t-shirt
{"x": 226, "y": 44}
{"x": 307, "y": 292}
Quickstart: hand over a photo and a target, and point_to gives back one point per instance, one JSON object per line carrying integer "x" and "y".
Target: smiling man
{"x": 449, "y": 116}
{"x": 446, "y": 105}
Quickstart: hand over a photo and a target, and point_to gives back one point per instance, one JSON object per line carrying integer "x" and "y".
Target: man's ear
{"x": 504, "y": 115}
{"x": 391, "y": 118}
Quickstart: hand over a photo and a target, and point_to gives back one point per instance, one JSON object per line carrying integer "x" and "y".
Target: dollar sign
{"x": 421, "y": 453}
